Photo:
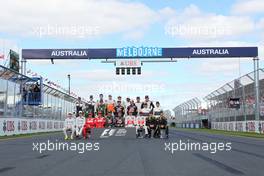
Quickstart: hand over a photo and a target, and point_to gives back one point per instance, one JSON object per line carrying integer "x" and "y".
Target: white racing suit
{"x": 69, "y": 124}
{"x": 157, "y": 111}
{"x": 130, "y": 121}
{"x": 150, "y": 105}
{"x": 138, "y": 105}
{"x": 141, "y": 120}
{"x": 80, "y": 121}
{"x": 141, "y": 123}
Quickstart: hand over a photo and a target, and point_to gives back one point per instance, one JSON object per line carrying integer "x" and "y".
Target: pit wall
{"x": 12, "y": 126}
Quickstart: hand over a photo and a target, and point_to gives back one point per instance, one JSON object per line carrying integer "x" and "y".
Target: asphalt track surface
{"x": 128, "y": 156}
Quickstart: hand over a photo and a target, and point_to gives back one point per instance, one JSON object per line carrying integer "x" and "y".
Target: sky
{"x": 37, "y": 24}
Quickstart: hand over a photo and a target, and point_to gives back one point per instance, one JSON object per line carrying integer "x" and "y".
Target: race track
{"x": 128, "y": 156}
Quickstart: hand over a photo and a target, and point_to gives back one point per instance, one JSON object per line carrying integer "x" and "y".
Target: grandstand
{"x": 190, "y": 114}
{"x": 220, "y": 115}
{"x": 25, "y": 108}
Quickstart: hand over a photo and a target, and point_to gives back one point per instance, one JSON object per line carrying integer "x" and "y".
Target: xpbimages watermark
{"x": 79, "y": 31}
{"x": 211, "y": 147}
{"x": 79, "y": 147}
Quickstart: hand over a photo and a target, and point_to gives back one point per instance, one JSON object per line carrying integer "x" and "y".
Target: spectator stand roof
{"x": 246, "y": 81}
{"x": 11, "y": 75}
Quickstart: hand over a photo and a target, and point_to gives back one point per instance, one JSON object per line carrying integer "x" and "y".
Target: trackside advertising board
{"x": 250, "y": 126}
{"x": 140, "y": 52}
{"x": 10, "y": 126}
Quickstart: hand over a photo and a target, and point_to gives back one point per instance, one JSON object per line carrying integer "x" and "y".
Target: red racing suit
{"x": 89, "y": 124}
{"x": 99, "y": 122}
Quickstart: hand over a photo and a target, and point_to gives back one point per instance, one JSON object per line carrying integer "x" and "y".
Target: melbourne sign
{"x": 139, "y": 52}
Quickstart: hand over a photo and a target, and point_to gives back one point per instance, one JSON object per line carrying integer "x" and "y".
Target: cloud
{"x": 248, "y": 7}
{"x": 193, "y": 24}
{"x": 166, "y": 13}
{"x": 134, "y": 35}
{"x": 178, "y": 93}
{"x": 226, "y": 67}
{"x": 79, "y": 18}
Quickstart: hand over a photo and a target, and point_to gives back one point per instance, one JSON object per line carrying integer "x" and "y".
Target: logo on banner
{"x": 42, "y": 125}
{"x": 121, "y": 132}
{"x": 107, "y": 133}
{"x": 113, "y": 132}
{"x": 251, "y": 126}
{"x": 10, "y": 125}
{"x": 68, "y": 53}
{"x": 33, "y": 125}
{"x": 139, "y": 52}
{"x": 24, "y": 125}
{"x": 128, "y": 63}
{"x": 210, "y": 52}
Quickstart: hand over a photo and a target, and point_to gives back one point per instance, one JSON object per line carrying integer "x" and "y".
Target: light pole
{"x": 69, "y": 81}
{"x": 256, "y": 87}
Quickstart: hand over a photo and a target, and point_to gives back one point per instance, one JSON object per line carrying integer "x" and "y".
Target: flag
{"x": 2, "y": 56}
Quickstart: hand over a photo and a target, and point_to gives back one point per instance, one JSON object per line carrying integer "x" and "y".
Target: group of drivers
{"x": 145, "y": 116}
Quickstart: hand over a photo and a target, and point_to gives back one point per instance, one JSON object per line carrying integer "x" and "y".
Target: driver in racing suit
{"x": 90, "y": 107}
{"x": 101, "y": 108}
{"x": 163, "y": 126}
{"x": 138, "y": 104}
{"x": 110, "y": 105}
{"x": 132, "y": 108}
{"x": 119, "y": 114}
{"x": 89, "y": 124}
{"x": 80, "y": 121}
{"x": 141, "y": 120}
{"x": 79, "y": 106}
{"x": 149, "y": 103}
{"x": 132, "y": 113}
{"x": 157, "y": 110}
{"x": 69, "y": 124}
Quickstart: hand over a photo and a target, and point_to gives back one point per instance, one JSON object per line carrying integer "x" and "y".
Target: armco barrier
{"x": 11, "y": 126}
{"x": 249, "y": 126}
